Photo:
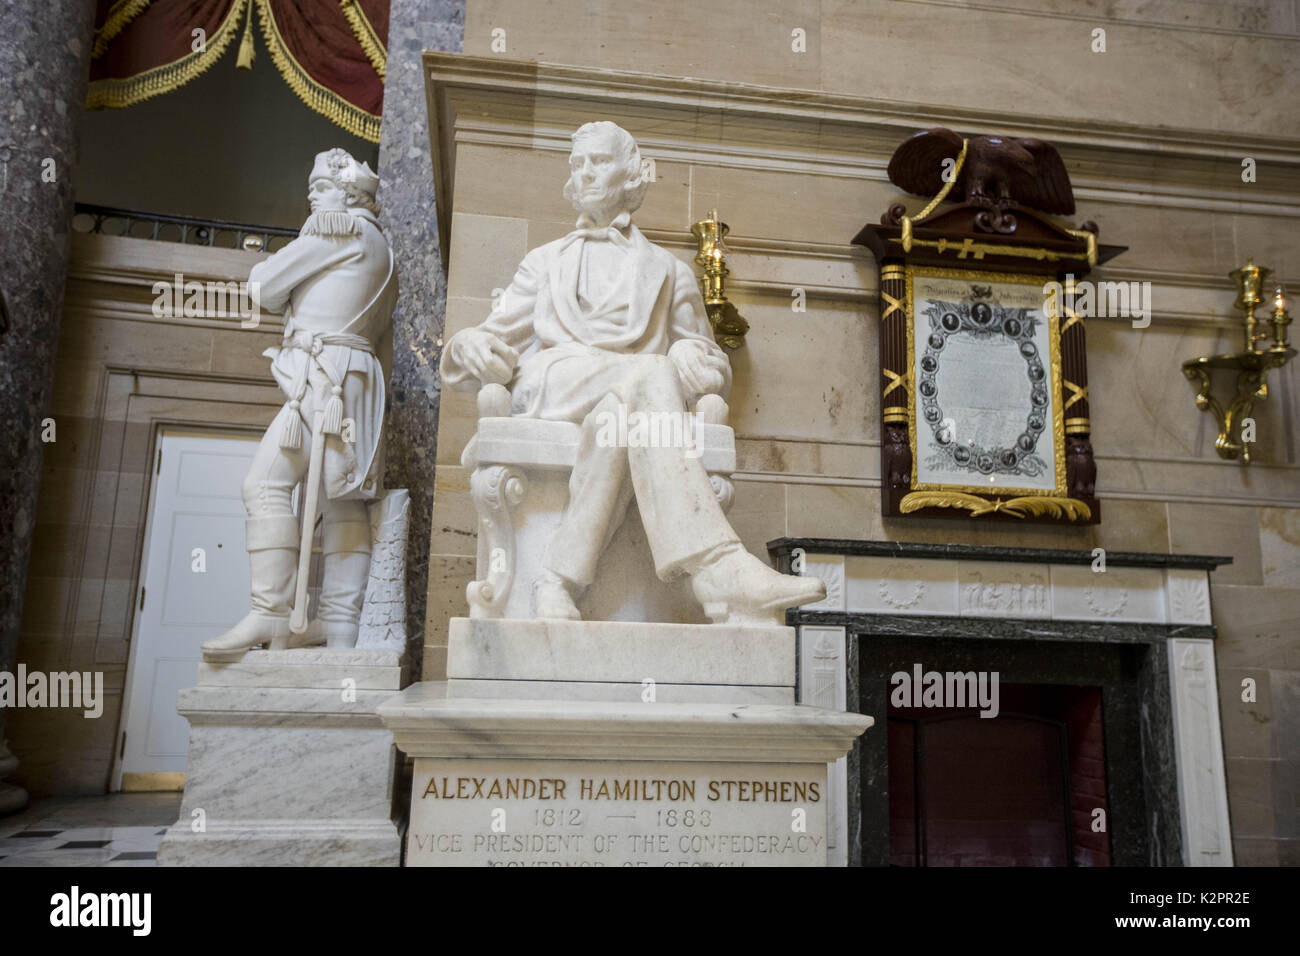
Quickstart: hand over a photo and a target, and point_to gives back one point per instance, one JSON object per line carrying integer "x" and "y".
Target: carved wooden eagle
{"x": 998, "y": 171}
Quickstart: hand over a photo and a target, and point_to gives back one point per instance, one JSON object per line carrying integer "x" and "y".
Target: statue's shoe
{"x": 255, "y": 628}
{"x": 737, "y": 588}
{"x": 552, "y": 600}
{"x": 334, "y": 634}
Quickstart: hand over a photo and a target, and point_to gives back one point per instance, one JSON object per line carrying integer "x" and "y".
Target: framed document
{"x": 982, "y": 408}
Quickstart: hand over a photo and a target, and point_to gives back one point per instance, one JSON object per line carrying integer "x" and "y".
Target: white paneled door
{"x": 194, "y": 586}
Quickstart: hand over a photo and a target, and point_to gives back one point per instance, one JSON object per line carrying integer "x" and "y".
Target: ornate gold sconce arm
{"x": 1251, "y": 387}
{"x": 1251, "y": 365}
{"x": 728, "y": 326}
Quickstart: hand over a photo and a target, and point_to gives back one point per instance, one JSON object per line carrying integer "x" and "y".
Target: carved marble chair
{"x": 520, "y": 486}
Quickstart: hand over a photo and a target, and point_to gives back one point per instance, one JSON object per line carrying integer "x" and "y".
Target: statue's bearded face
{"x": 325, "y": 194}
{"x": 598, "y": 174}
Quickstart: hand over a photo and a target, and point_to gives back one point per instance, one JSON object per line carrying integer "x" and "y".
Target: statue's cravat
{"x": 615, "y": 232}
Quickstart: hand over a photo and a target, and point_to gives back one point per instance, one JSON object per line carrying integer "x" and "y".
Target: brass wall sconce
{"x": 728, "y": 326}
{"x": 1252, "y": 364}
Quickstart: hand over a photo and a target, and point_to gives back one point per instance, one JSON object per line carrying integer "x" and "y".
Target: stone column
{"x": 406, "y": 195}
{"x": 44, "y": 63}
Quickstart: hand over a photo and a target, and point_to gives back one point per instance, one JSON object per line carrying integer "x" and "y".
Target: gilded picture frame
{"x": 984, "y": 442}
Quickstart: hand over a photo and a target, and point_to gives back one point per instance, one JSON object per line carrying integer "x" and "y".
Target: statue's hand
{"x": 701, "y": 371}
{"x": 484, "y": 355}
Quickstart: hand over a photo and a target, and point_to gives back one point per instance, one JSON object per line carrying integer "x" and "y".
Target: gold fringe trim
{"x": 320, "y": 98}
{"x": 366, "y": 36}
{"x": 116, "y": 93}
{"x": 118, "y": 17}
{"x": 1052, "y": 507}
{"x": 246, "y": 51}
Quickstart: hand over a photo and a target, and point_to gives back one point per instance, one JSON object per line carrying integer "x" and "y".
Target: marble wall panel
{"x": 1205, "y": 76}
{"x": 830, "y": 511}
{"x": 793, "y": 206}
{"x": 1177, "y": 70}
{"x": 992, "y": 534}
{"x": 485, "y": 252}
{"x": 800, "y": 373}
{"x": 1131, "y": 525}
{"x": 456, "y": 532}
{"x": 457, "y": 421}
{"x": 1258, "y": 627}
{"x": 739, "y": 40}
{"x": 1279, "y": 546}
{"x": 1219, "y": 529}
{"x": 1142, "y": 405}
{"x": 1248, "y": 726}
{"x": 824, "y": 462}
{"x": 1181, "y": 236}
{"x": 758, "y": 514}
{"x": 449, "y": 574}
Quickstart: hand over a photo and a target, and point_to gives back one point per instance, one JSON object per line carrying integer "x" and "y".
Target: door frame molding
{"x": 137, "y": 404}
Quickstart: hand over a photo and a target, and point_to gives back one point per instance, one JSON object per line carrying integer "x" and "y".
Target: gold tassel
{"x": 333, "y": 422}
{"x": 245, "y": 61}
{"x": 291, "y": 430}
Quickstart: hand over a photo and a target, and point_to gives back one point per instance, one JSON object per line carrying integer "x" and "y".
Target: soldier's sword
{"x": 298, "y": 619}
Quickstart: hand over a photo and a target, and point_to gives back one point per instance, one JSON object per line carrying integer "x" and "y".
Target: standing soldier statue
{"x": 336, "y": 286}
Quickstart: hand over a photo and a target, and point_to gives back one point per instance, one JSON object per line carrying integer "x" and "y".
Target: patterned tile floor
{"x": 114, "y": 830}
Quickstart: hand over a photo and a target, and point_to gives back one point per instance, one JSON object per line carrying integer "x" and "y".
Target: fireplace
{"x": 1105, "y": 748}
{"x": 1024, "y": 788}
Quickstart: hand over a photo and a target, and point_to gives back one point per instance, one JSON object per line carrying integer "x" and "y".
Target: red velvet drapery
{"x": 331, "y": 52}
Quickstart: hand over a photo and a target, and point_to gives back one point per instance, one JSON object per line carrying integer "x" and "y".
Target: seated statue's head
{"x": 339, "y": 182}
{"x": 606, "y": 174}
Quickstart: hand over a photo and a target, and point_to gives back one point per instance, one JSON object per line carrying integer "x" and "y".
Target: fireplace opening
{"x": 1026, "y": 787}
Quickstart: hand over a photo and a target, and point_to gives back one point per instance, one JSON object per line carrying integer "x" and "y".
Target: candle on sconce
{"x": 1280, "y": 318}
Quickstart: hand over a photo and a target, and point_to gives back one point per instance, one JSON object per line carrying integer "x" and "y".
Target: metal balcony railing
{"x": 217, "y": 233}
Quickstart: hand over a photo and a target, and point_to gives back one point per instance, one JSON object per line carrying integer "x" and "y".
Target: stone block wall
{"x": 791, "y": 148}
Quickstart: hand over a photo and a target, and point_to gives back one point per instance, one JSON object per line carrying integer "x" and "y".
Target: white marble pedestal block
{"x": 289, "y": 764}
{"x": 606, "y": 743}
{"x": 620, "y": 660}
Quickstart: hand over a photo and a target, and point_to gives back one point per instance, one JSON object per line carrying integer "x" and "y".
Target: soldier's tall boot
{"x": 272, "y": 545}
{"x": 346, "y": 549}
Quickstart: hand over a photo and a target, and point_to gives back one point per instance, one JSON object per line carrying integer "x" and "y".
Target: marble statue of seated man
{"x": 600, "y": 319}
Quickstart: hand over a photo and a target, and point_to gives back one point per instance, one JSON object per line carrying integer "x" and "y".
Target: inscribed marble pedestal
{"x": 610, "y": 743}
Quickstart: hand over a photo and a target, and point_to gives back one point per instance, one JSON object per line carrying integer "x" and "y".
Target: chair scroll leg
{"x": 723, "y": 490}
{"x": 495, "y": 490}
